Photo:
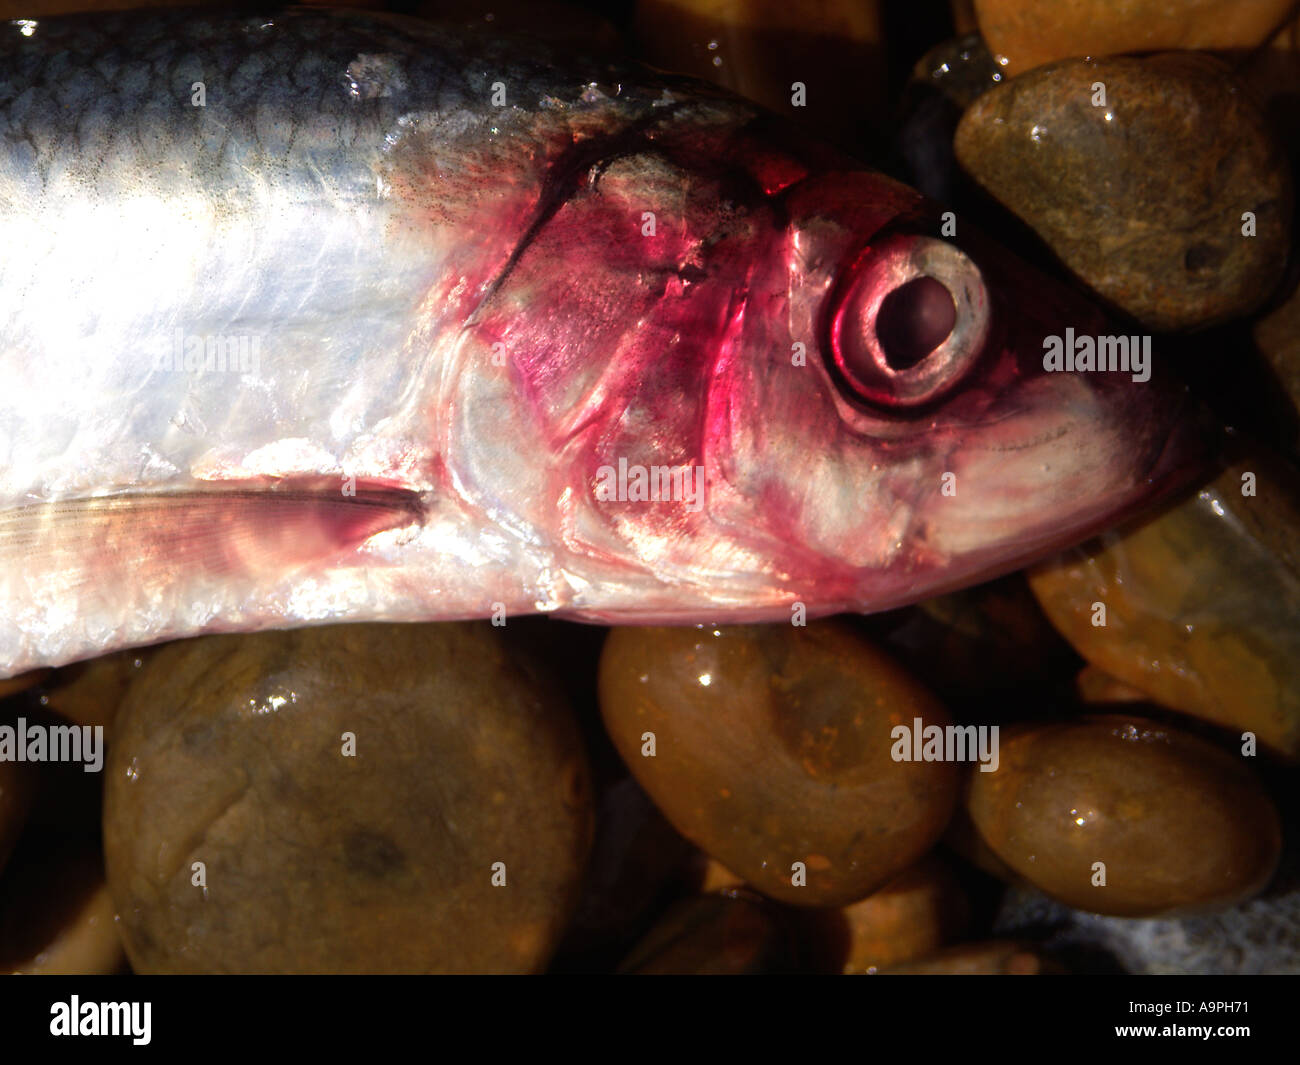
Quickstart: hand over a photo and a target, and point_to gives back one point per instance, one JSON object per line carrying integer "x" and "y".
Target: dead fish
{"x": 317, "y": 316}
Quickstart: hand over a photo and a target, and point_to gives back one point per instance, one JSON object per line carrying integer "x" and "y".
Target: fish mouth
{"x": 1189, "y": 455}
{"x": 1167, "y": 468}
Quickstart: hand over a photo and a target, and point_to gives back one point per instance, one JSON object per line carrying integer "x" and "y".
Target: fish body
{"x": 319, "y": 316}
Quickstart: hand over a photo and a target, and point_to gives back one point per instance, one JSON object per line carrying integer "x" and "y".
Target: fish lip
{"x": 1190, "y": 455}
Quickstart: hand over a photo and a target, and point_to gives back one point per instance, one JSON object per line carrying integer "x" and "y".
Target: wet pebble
{"x": 963, "y": 16}
{"x": 944, "y": 83}
{"x": 374, "y": 798}
{"x": 770, "y": 748}
{"x": 1120, "y": 815}
{"x": 13, "y": 685}
{"x": 56, "y": 914}
{"x": 1273, "y": 74}
{"x": 713, "y": 876}
{"x": 1277, "y": 336}
{"x": 1201, "y": 605}
{"x": 1145, "y": 195}
{"x": 962, "y": 70}
{"x": 714, "y": 935}
{"x": 914, "y": 915}
{"x": 89, "y": 693}
{"x": 1026, "y": 34}
{"x": 1095, "y": 685}
{"x": 964, "y": 840}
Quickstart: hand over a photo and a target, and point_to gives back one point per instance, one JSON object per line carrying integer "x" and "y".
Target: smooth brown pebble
{"x": 1277, "y": 336}
{"x": 1027, "y": 33}
{"x": 1145, "y": 197}
{"x": 964, "y": 840}
{"x": 772, "y": 752}
{"x": 1201, "y": 603}
{"x": 1095, "y": 685}
{"x": 342, "y": 799}
{"x": 963, "y": 16}
{"x": 715, "y": 877}
{"x": 915, "y": 914}
{"x": 962, "y": 70}
{"x": 715, "y": 935}
{"x": 1177, "y": 824}
{"x": 89, "y": 693}
{"x": 13, "y": 685}
{"x": 1273, "y": 76}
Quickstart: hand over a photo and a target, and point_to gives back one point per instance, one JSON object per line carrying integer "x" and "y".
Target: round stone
{"x": 89, "y": 693}
{"x": 1157, "y": 181}
{"x": 1277, "y": 336}
{"x": 772, "y": 749}
{"x": 361, "y": 798}
{"x": 1174, "y": 606}
{"x": 915, "y": 914}
{"x": 1120, "y": 815}
{"x": 1025, "y": 34}
{"x": 714, "y": 935}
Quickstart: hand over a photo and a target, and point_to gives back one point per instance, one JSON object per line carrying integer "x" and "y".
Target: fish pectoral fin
{"x": 224, "y": 529}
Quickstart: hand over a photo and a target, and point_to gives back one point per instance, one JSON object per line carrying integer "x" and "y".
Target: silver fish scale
{"x": 132, "y": 100}
{"x": 108, "y": 174}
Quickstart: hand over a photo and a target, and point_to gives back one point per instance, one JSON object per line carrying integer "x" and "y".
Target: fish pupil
{"x": 913, "y": 320}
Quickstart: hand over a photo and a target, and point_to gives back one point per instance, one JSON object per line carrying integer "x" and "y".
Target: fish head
{"x": 888, "y": 409}
{"x": 763, "y": 378}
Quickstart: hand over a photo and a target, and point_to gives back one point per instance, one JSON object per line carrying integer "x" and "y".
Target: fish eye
{"x": 912, "y": 320}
